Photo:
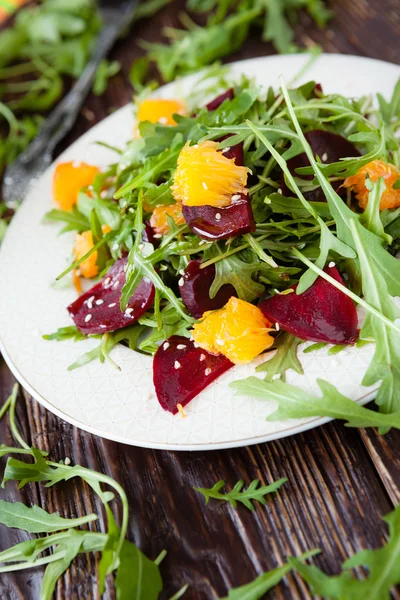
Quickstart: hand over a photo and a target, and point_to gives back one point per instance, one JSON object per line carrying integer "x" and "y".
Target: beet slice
{"x": 213, "y": 223}
{"x": 181, "y": 371}
{"x": 101, "y": 302}
{"x": 216, "y": 102}
{"x": 321, "y": 314}
{"x": 148, "y": 235}
{"x": 195, "y": 289}
{"x": 330, "y": 147}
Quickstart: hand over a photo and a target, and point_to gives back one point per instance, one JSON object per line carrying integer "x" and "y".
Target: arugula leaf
{"x": 35, "y": 519}
{"x": 256, "y": 589}
{"x": 66, "y": 333}
{"x": 137, "y": 576}
{"x": 382, "y": 565}
{"x": 385, "y": 364}
{"x": 54, "y": 570}
{"x": 295, "y": 403}
{"x": 246, "y": 497}
{"x": 284, "y": 358}
{"x": 392, "y": 108}
{"x": 232, "y": 269}
{"x": 74, "y": 220}
{"x": 371, "y": 216}
{"x": 105, "y": 71}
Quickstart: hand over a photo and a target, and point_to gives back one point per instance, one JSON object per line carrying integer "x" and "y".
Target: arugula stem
{"x": 13, "y": 426}
{"x": 346, "y": 291}
{"x": 76, "y": 264}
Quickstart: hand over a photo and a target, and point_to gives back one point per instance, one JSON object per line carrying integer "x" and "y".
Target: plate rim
{"x": 288, "y": 431}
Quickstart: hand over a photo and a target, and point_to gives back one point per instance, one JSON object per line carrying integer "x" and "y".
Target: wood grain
{"x": 341, "y": 481}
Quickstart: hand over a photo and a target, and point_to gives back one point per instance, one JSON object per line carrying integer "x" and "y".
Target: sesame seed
{"x": 226, "y": 149}
{"x": 87, "y": 318}
{"x": 277, "y": 326}
{"x": 195, "y": 146}
{"x": 181, "y": 271}
{"x": 116, "y": 284}
{"x": 195, "y": 345}
{"x": 324, "y": 157}
{"x": 129, "y": 311}
{"x": 157, "y": 236}
{"x": 100, "y": 301}
{"x": 76, "y": 164}
{"x": 89, "y": 302}
{"x": 205, "y": 186}
{"x": 163, "y": 120}
{"x": 276, "y": 291}
{"x": 107, "y": 281}
{"x": 131, "y": 210}
{"x": 115, "y": 247}
{"x": 177, "y": 364}
{"x": 181, "y": 346}
{"x": 103, "y": 194}
{"x": 331, "y": 264}
{"x": 112, "y": 305}
{"x": 67, "y": 460}
{"x": 202, "y": 357}
{"x": 276, "y": 376}
{"x": 235, "y": 197}
{"x": 207, "y": 372}
{"x": 165, "y": 346}
{"x": 279, "y": 190}
{"x": 181, "y": 282}
{"x": 103, "y": 326}
{"x": 78, "y": 272}
{"x": 218, "y": 216}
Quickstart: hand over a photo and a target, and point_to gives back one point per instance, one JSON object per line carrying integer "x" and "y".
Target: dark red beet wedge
{"x": 181, "y": 371}
{"x": 214, "y": 104}
{"x": 321, "y": 314}
{"x": 330, "y": 147}
{"x": 98, "y": 309}
{"x": 195, "y": 290}
{"x": 148, "y": 234}
{"x": 211, "y": 223}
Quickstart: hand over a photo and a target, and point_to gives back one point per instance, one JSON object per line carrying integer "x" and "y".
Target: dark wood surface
{"x": 341, "y": 481}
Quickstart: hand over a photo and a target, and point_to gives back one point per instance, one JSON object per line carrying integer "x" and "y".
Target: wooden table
{"x": 341, "y": 481}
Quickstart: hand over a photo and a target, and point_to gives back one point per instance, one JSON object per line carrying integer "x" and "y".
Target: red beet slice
{"x": 214, "y": 104}
{"x": 212, "y": 223}
{"x": 195, "y": 290}
{"x": 330, "y": 147}
{"x": 321, "y": 314}
{"x": 101, "y": 302}
{"x": 181, "y": 371}
{"x": 148, "y": 235}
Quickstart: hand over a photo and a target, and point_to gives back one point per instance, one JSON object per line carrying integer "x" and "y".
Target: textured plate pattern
{"x": 121, "y": 405}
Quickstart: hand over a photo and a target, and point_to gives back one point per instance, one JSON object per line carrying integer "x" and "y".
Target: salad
{"x": 230, "y": 228}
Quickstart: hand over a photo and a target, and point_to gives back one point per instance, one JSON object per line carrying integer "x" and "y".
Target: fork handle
{"x": 62, "y": 118}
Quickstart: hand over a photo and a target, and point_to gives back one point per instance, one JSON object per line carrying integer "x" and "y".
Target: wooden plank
{"x": 215, "y": 547}
{"x": 385, "y": 454}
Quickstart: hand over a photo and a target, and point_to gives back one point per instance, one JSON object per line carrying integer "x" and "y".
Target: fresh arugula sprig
{"x": 382, "y": 565}
{"x": 284, "y": 358}
{"x": 136, "y": 575}
{"x": 253, "y": 493}
{"x": 256, "y": 589}
{"x": 295, "y": 403}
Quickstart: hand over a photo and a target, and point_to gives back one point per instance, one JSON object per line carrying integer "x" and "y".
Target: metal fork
{"x": 39, "y": 155}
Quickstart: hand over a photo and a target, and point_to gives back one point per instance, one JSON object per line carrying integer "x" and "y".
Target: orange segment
{"x": 159, "y": 221}
{"x": 375, "y": 169}
{"x": 159, "y": 110}
{"x": 204, "y": 176}
{"x": 239, "y": 331}
{"x": 83, "y": 243}
{"x": 69, "y": 178}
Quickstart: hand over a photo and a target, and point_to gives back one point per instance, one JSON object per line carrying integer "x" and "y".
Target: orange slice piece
{"x": 204, "y": 176}
{"x": 239, "y": 331}
{"x": 159, "y": 218}
{"x": 375, "y": 169}
{"x": 69, "y": 178}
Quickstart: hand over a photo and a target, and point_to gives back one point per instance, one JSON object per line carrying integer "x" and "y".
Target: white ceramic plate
{"x": 122, "y": 405}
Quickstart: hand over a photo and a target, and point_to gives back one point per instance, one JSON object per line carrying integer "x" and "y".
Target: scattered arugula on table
{"x": 254, "y": 492}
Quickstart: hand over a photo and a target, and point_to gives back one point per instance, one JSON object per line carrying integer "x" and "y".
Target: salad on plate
{"x": 234, "y": 227}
